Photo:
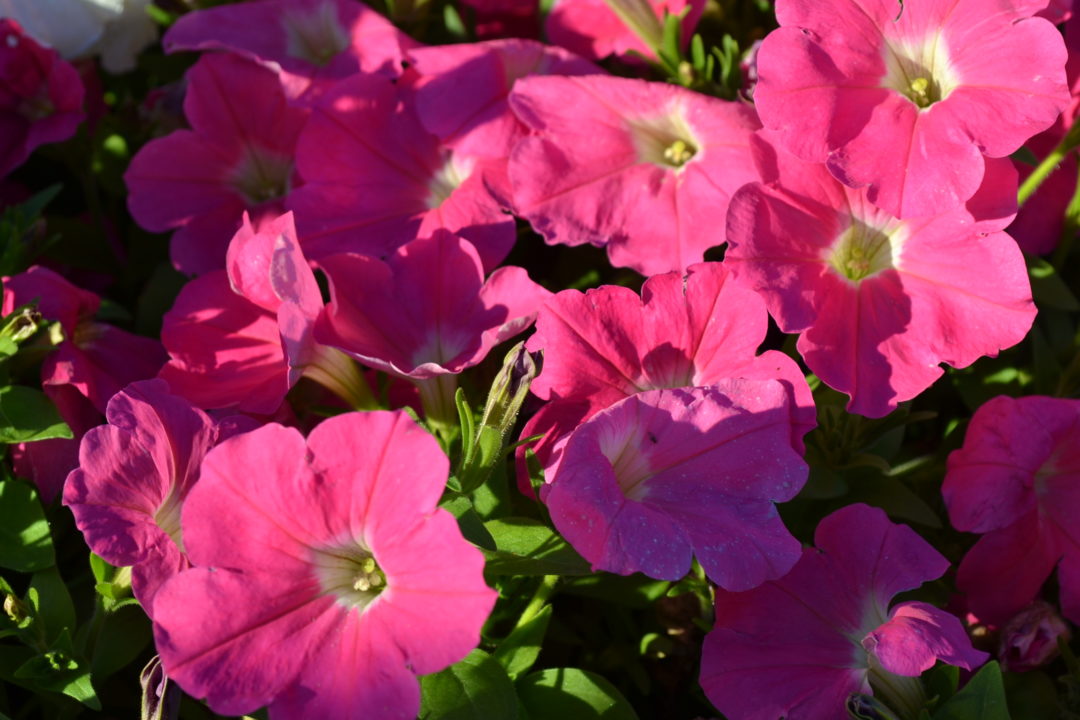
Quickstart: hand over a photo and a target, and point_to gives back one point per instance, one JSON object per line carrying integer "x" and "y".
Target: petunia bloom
{"x": 133, "y": 477}
{"x": 237, "y": 156}
{"x": 1015, "y": 481}
{"x": 41, "y": 96}
{"x": 879, "y": 302}
{"x": 607, "y": 344}
{"x": 243, "y": 336}
{"x": 426, "y": 312}
{"x": 375, "y": 179}
{"x": 598, "y": 28}
{"x": 643, "y": 169}
{"x": 797, "y": 647}
{"x": 666, "y": 473}
{"x": 462, "y": 95}
{"x": 309, "y": 44}
{"x": 909, "y": 99}
{"x": 326, "y": 578}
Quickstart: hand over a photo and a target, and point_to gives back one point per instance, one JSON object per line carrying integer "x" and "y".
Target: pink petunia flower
{"x": 607, "y": 344}
{"x": 41, "y": 96}
{"x": 92, "y": 363}
{"x": 799, "y": 646}
{"x": 309, "y": 44}
{"x": 326, "y": 578}
{"x": 909, "y": 99}
{"x": 643, "y": 169}
{"x": 666, "y": 473}
{"x": 1015, "y": 481}
{"x": 426, "y": 313}
{"x": 879, "y": 302}
{"x": 95, "y": 358}
{"x": 133, "y": 477}
{"x": 242, "y": 337}
{"x": 375, "y": 179}
{"x": 598, "y": 28}
{"x": 237, "y": 156}
{"x": 462, "y": 94}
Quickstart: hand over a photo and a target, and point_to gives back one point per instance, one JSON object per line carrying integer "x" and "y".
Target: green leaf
{"x": 124, "y": 635}
{"x": 563, "y": 693}
{"x": 27, "y": 415}
{"x": 1032, "y": 696}
{"x": 519, "y": 650}
{"x": 477, "y": 688}
{"x": 51, "y": 602}
{"x": 528, "y": 547}
{"x": 25, "y": 543}
{"x": 1047, "y": 287}
{"x": 58, "y": 670}
{"x": 470, "y": 522}
{"x": 983, "y": 698}
{"x": 465, "y": 417}
{"x": 941, "y": 682}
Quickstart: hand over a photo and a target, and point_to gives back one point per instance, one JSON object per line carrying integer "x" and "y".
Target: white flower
{"x": 115, "y": 29}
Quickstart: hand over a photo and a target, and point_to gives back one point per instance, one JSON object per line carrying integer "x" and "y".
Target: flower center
{"x": 314, "y": 34}
{"x": 631, "y": 467}
{"x": 919, "y": 70}
{"x": 261, "y": 175}
{"x": 447, "y": 179}
{"x": 665, "y": 140}
{"x": 167, "y": 518}
{"x": 862, "y": 250}
{"x": 351, "y": 574}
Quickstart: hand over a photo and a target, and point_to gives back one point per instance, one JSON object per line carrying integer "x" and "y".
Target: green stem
{"x": 539, "y": 599}
{"x": 339, "y": 374}
{"x": 440, "y": 410}
{"x": 1050, "y": 163}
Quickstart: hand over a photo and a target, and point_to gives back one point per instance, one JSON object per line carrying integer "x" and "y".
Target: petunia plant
{"x": 539, "y": 359}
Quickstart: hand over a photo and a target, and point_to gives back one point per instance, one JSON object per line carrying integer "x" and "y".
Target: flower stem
{"x": 339, "y": 374}
{"x": 1049, "y": 163}
{"x": 539, "y": 599}
{"x": 440, "y": 410}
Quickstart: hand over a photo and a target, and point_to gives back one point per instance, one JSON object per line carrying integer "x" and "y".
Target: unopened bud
{"x": 509, "y": 390}
{"x": 160, "y": 696}
{"x": 14, "y": 609}
{"x": 1030, "y": 639}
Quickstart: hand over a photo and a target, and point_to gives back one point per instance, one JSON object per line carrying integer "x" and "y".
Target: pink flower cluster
{"x": 862, "y": 203}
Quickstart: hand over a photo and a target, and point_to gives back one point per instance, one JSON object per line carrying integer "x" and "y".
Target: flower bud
{"x": 1030, "y": 639}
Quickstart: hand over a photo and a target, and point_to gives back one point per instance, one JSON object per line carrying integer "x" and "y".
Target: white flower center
{"x": 664, "y": 140}
{"x": 314, "y": 34}
{"x": 919, "y": 70}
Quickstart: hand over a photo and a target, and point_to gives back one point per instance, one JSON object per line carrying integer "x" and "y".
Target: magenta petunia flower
{"x": 799, "y": 646}
{"x": 237, "y": 156}
{"x": 242, "y": 337}
{"x": 664, "y": 474}
{"x": 643, "y": 169}
{"x": 879, "y": 302}
{"x": 96, "y": 359}
{"x": 375, "y": 179}
{"x": 607, "y": 344}
{"x": 909, "y": 99}
{"x": 463, "y": 91}
{"x": 41, "y": 96}
{"x": 598, "y": 28}
{"x": 1016, "y": 481}
{"x": 310, "y": 44}
{"x": 426, "y": 312}
{"x": 132, "y": 479}
{"x": 326, "y": 578}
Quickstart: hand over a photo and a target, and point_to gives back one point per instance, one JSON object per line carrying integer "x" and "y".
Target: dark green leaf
{"x": 124, "y": 634}
{"x": 59, "y": 670}
{"x": 27, "y": 415}
{"x": 477, "y": 688}
{"x": 25, "y": 543}
{"x": 471, "y": 524}
{"x": 51, "y": 602}
{"x": 1047, "y": 287}
{"x": 983, "y": 698}
{"x": 528, "y": 547}
{"x": 941, "y": 682}
{"x": 1031, "y": 695}
{"x": 563, "y": 693}
{"x": 519, "y": 650}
